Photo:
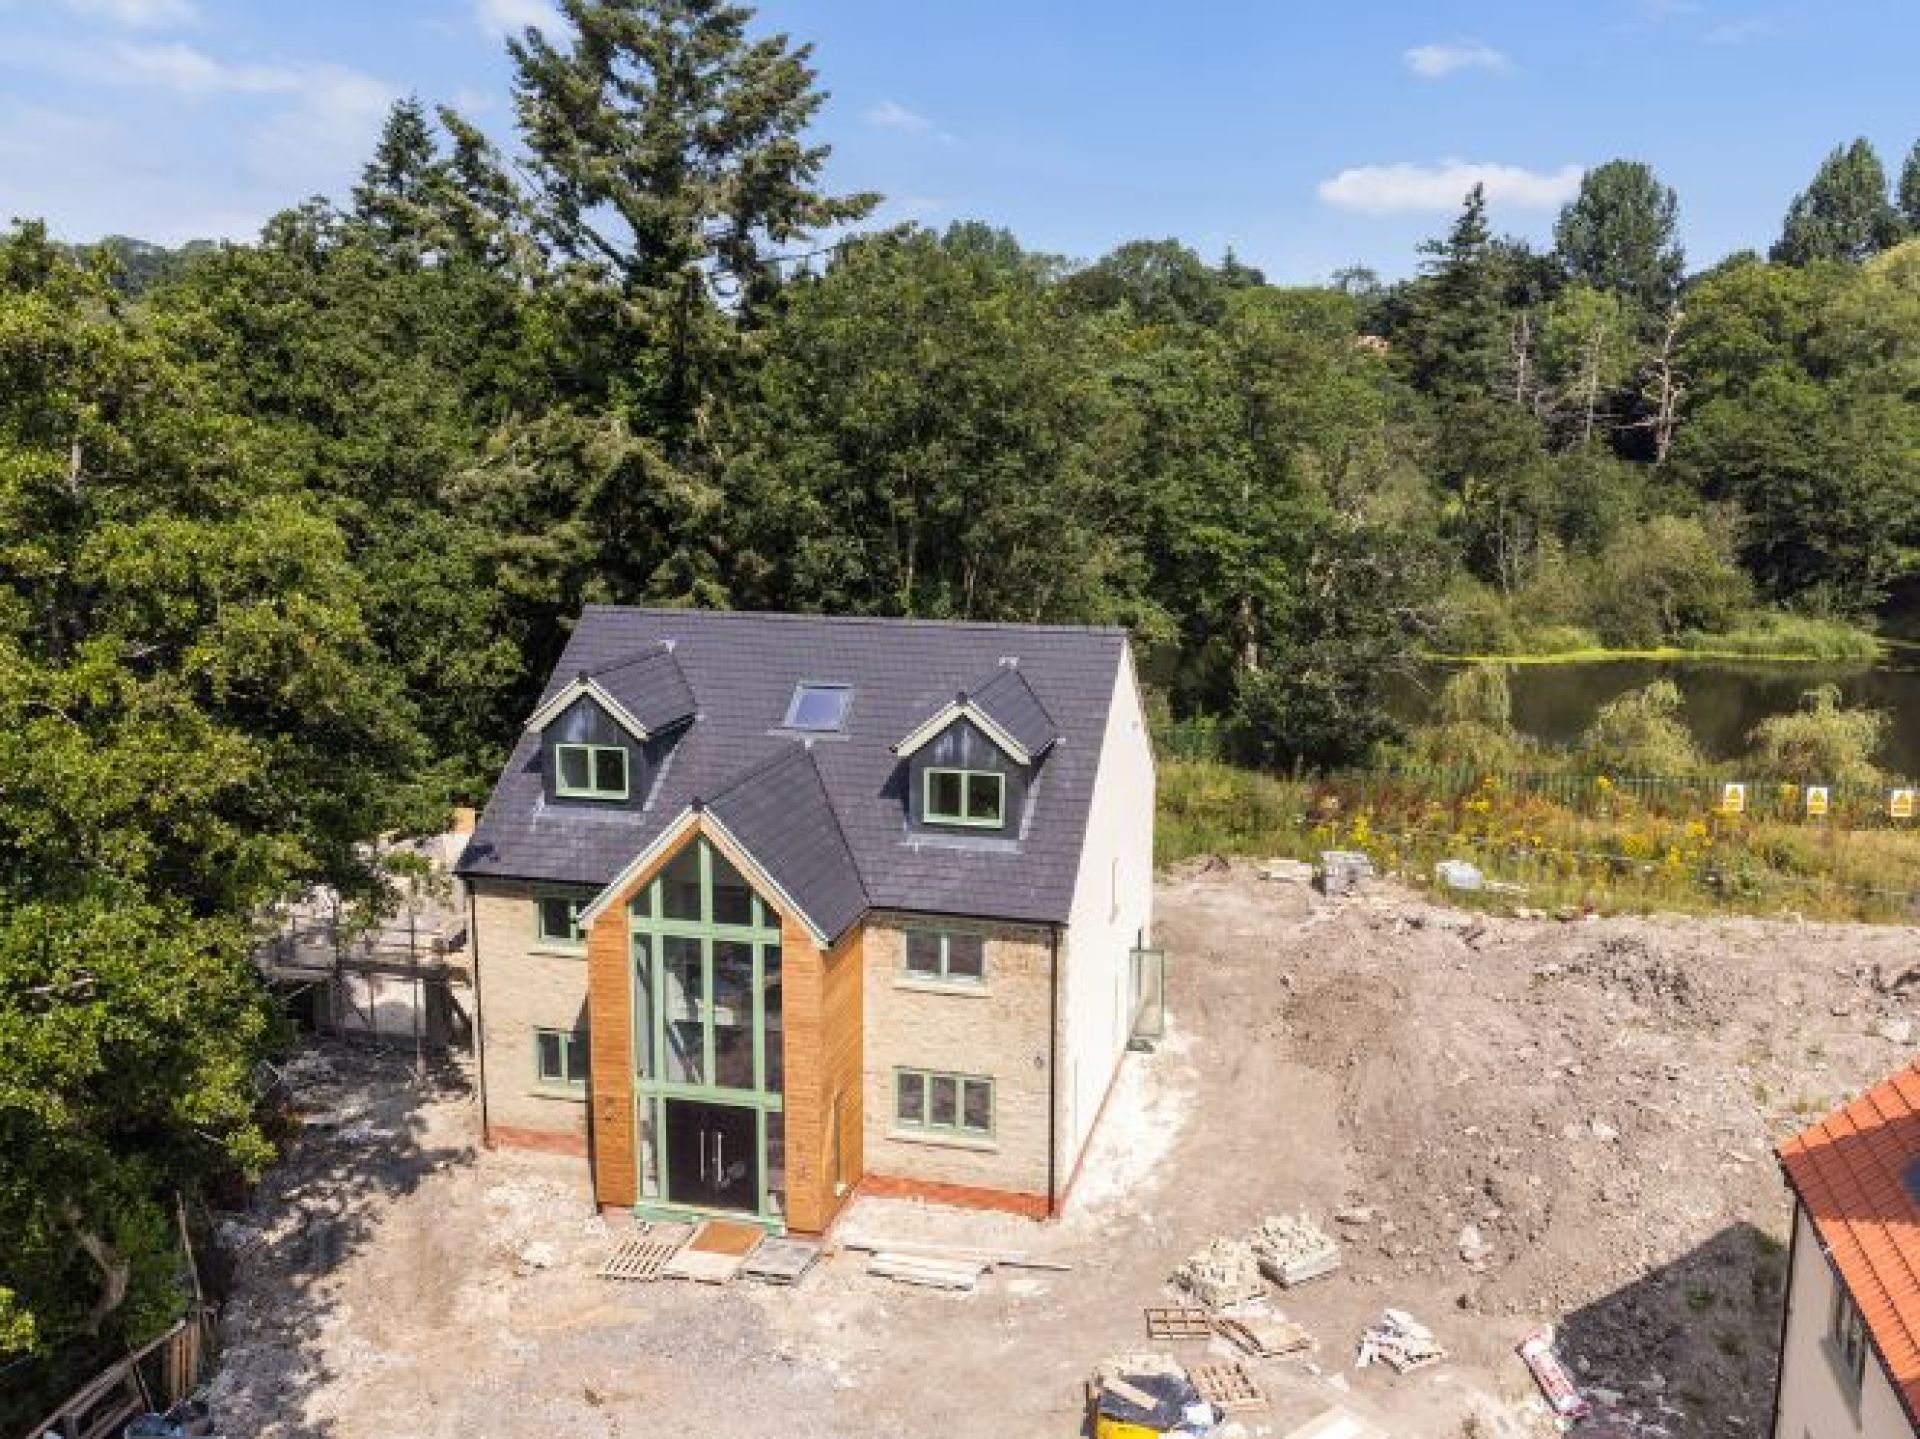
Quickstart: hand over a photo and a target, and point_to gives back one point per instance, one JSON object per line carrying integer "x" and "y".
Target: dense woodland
{"x": 291, "y": 531}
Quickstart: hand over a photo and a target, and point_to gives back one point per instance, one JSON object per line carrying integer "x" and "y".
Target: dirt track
{"x": 1583, "y": 1109}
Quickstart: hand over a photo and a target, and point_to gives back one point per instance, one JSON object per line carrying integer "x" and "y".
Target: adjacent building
{"x": 1850, "y": 1337}
{"x": 769, "y": 908}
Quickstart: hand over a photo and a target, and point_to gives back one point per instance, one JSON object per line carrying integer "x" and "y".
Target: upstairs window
{"x": 1847, "y": 1340}
{"x": 975, "y": 797}
{"x": 559, "y": 920}
{"x": 946, "y": 958}
{"x": 818, "y": 709}
{"x": 590, "y": 771}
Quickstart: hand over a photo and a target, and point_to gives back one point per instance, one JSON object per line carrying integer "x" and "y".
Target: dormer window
{"x": 590, "y": 771}
{"x": 974, "y": 797}
{"x": 818, "y": 708}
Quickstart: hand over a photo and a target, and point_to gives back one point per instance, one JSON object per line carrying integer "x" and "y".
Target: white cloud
{"x": 137, "y": 14}
{"x": 502, "y": 18}
{"x": 1406, "y": 188}
{"x": 890, "y": 115}
{"x": 1436, "y": 62}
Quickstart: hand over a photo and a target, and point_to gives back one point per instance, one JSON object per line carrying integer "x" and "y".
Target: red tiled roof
{"x": 1849, "y": 1172}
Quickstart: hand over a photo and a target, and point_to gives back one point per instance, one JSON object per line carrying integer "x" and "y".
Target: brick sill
{"x": 558, "y": 951}
{"x": 945, "y": 1141}
{"x": 571, "y": 1096}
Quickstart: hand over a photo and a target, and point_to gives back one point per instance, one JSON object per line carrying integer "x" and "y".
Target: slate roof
{"x": 1854, "y": 1172}
{"x": 741, "y": 669}
{"x": 650, "y": 686}
{"x": 1009, "y": 701}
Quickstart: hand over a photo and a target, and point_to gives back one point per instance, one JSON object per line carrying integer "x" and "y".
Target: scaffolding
{"x": 405, "y": 979}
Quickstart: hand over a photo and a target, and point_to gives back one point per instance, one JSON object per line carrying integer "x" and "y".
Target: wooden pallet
{"x": 1227, "y": 1386}
{"x": 715, "y": 1253}
{"x": 1265, "y": 1338}
{"x": 643, "y": 1256}
{"x": 1178, "y": 1322}
{"x": 781, "y": 1261}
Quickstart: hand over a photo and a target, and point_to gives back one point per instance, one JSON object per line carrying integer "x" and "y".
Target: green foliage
{"x": 1820, "y": 742}
{"x": 1617, "y": 235}
{"x": 1844, "y": 214}
{"x": 1478, "y": 694}
{"x": 1641, "y": 733}
{"x": 1773, "y": 633}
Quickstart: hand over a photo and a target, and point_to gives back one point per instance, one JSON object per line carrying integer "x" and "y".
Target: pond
{"x": 1725, "y": 699}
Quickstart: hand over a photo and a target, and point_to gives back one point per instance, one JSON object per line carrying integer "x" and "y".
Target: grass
{"x": 1616, "y": 854}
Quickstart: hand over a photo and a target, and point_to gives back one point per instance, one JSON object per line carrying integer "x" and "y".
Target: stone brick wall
{"x": 525, "y": 986}
{"x": 997, "y": 1031}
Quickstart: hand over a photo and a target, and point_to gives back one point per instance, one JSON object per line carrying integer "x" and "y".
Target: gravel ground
{"x": 1521, "y": 1123}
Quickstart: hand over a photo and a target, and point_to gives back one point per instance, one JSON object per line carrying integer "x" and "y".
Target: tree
{"x": 1617, "y": 235}
{"x": 393, "y": 199}
{"x": 1820, "y": 742}
{"x": 1160, "y": 282}
{"x": 1844, "y": 214}
{"x": 1910, "y": 190}
{"x": 1640, "y": 735}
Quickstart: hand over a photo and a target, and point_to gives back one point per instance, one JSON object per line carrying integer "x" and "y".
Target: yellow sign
{"x": 1817, "y": 800}
{"x": 1733, "y": 798}
{"x": 1900, "y": 804}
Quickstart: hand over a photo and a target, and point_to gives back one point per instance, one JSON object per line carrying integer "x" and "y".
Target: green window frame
{"x": 941, "y": 956}
{"x": 599, "y": 771}
{"x": 556, "y": 920}
{"x": 974, "y": 797}
{"x": 939, "y": 1102}
{"x": 560, "y": 1058}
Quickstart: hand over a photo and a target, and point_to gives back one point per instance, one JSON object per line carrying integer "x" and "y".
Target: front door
{"x": 713, "y": 1155}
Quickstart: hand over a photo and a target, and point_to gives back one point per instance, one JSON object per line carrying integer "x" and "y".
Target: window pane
{"x": 732, "y": 899}
{"x": 577, "y": 1057}
{"x": 680, "y": 885}
{"x": 943, "y": 794}
{"x": 776, "y": 1160}
{"x": 574, "y": 772}
{"x": 983, "y": 797}
{"x": 966, "y": 956}
{"x": 610, "y": 770}
{"x": 643, "y": 1005}
{"x": 732, "y": 1014}
{"x": 818, "y": 707}
{"x": 978, "y": 1114}
{"x": 556, "y": 919}
{"x": 910, "y": 1101}
{"x": 943, "y": 1100}
{"x": 773, "y": 1040}
{"x": 685, "y": 1009}
{"x": 923, "y": 953}
{"x": 549, "y": 1059}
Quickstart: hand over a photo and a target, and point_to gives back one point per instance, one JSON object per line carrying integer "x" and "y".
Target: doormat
{"x": 715, "y": 1253}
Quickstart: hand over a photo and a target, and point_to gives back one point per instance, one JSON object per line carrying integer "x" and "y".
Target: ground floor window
{"x": 560, "y": 1057}
{"x": 939, "y": 1103}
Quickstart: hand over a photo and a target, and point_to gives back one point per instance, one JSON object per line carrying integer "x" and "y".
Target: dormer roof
{"x": 1003, "y": 707}
{"x": 644, "y": 693}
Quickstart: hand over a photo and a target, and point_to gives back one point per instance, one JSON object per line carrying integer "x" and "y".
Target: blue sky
{"x": 1305, "y": 136}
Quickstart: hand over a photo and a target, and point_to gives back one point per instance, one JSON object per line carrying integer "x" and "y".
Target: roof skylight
{"x": 818, "y": 708}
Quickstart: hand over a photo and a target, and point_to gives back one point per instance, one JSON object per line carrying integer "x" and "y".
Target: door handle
{"x": 720, "y": 1157}
{"x": 703, "y": 1155}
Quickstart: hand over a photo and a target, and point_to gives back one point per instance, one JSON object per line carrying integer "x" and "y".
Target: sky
{"x": 1304, "y": 136}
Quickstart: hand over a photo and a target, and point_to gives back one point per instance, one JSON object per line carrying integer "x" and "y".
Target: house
{"x": 767, "y": 908}
{"x": 1850, "y": 1336}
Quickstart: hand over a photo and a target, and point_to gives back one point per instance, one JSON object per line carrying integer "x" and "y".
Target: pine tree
{"x": 392, "y": 202}
{"x": 1910, "y": 190}
{"x": 1844, "y": 214}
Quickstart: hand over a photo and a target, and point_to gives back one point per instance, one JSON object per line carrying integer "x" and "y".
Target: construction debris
{"x": 1343, "y": 871}
{"x": 1265, "y": 1336}
{"x": 781, "y": 1261}
{"x": 1337, "y": 1424}
{"x": 991, "y": 1258}
{"x": 934, "y": 1273}
{"x": 1400, "y": 1341}
{"x": 715, "y": 1253}
{"x": 1225, "y": 1272}
{"x": 1178, "y": 1322}
{"x": 1458, "y": 874}
{"x": 1287, "y": 871}
{"x": 1137, "y": 1395}
{"x": 644, "y": 1255}
{"x": 1228, "y": 1387}
{"x": 1556, "y": 1384}
{"x": 1291, "y": 1249}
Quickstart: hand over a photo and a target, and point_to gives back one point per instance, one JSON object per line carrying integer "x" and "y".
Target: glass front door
{"x": 713, "y": 1155}
{"x": 707, "y": 1039}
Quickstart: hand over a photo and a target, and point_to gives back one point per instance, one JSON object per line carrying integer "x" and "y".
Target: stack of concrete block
{"x": 1291, "y": 1249}
{"x": 1399, "y": 1340}
{"x": 1225, "y": 1272}
{"x": 1343, "y": 871}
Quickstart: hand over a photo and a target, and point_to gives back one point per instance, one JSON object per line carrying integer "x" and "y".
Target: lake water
{"x": 1724, "y": 700}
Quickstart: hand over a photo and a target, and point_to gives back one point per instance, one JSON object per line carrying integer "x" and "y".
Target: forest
{"x": 291, "y": 531}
